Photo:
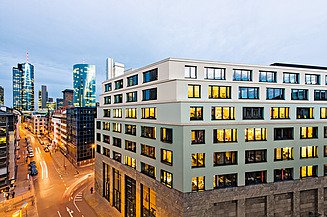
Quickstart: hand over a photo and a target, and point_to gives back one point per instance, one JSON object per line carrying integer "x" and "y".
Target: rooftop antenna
{"x": 27, "y": 56}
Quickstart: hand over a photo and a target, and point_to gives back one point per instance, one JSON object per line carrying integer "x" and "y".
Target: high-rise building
{"x": 2, "y": 96}
{"x": 68, "y": 96}
{"x": 43, "y": 98}
{"x": 59, "y": 103}
{"x": 23, "y": 87}
{"x": 201, "y": 138}
{"x": 84, "y": 85}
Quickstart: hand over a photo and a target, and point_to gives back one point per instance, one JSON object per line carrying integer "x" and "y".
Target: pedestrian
{"x": 13, "y": 194}
{"x": 7, "y": 196}
{"x": 91, "y": 189}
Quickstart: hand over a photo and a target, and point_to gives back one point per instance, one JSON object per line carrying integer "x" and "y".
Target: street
{"x": 59, "y": 189}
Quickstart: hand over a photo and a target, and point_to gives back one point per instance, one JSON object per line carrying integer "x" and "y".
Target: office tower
{"x": 80, "y": 135}
{"x": 84, "y": 85}
{"x": 59, "y": 103}
{"x": 43, "y": 98}
{"x": 2, "y": 96}
{"x": 23, "y": 87}
{"x": 201, "y": 138}
{"x": 68, "y": 96}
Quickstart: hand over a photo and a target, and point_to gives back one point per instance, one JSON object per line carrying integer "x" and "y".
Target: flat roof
{"x": 298, "y": 66}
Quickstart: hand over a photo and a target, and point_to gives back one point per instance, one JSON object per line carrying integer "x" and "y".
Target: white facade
{"x": 173, "y": 106}
{"x": 59, "y": 129}
{"x": 39, "y": 124}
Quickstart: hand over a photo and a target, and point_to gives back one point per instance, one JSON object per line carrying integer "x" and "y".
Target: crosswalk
{"x": 79, "y": 197}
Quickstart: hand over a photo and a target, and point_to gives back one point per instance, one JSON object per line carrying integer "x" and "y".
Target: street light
{"x": 93, "y": 150}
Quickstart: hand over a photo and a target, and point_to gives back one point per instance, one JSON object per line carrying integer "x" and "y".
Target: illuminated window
{"x": 255, "y": 134}
{"x": 283, "y": 174}
{"x": 225, "y": 181}
{"x": 194, "y": 91}
{"x": 117, "y": 113}
{"x": 149, "y": 113}
{"x": 254, "y": 178}
{"x": 116, "y": 127}
{"x": 304, "y": 113}
{"x": 167, "y": 157}
{"x": 224, "y": 135}
{"x": 309, "y": 152}
{"x": 198, "y": 183}
{"x": 222, "y": 113}
{"x": 279, "y": 113}
{"x": 129, "y": 161}
{"x": 256, "y": 113}
{"x": 116, "y": 189}
{"x": 225, "y": 158}
{"x": 105, "y": 151}
{"x": 196, "y": 113}
{"x": 323, "y": 113}
{"x": 242, "y": 75}
{"x": 148, "y": 132}
{"x": 166, "y": 135}
{"x": 148, "y": 202}
{"x": 283, "y": 154}
{"x": 198, "y": 136}
{"x": 106, "y": 181}
{"x": 166, "y": 178}
{"x": 190, "y": 72}
{"x": 309, "y": 132}
{"x": 148, "y": 151}
{"x": 267, "y": 76}
{"x": 131, "y": 113}
{"x": 198, "y": 160}
{"x": 106, "y": 126}
{"x": 148, "y": 170}
{"x": 283, "y": 133}
{"x": 255, "y": 156}
{"x": 130, "y": 129}
{"x": 308, "y": 171}
{"x": 214, "y": 73}
{"x": 320, "y": 95}
{"x": 219, "y": 92}
{"x": 130, "y": 146}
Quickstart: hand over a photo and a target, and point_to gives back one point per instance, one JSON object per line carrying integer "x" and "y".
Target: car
{"x": 30, "y": 150}
{"x": 33, "y": 172}
{"x": 46, "y": 149}
{"x": 31, "y": 154}
{"x": 32, "y": 163}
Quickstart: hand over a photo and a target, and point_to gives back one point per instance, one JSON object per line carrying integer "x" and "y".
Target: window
{"x": 106, "y": 181}
{"x": 130, "y": 197}
{"x": 116, "y": 189}
{"x": 283, "y": 174}
{"x": 299, "y": 94}
{"x": 253, "y": 113}
{"x": 148, "y": 151}
{"x": 116, "y": 127}
{"x": 198, "y": 136}
{"x": 224, "y": 135}
{"x": 267, "y": 76}
{"x": 131, "y": 113}
{"x": 116, "y": 142}
{"x": 325, "y": 170}
{"x": 118, "y": 98}
{"x": 291, "y": 78}
{"x": 283, "y": 154}
{"x": 166, "y": 135}
{"x": 312, "y": 79}
{"x": 150, "y": 75}
{"x": 304, "y": 113}
{"x": 242, "y": 75}
{"x": 325, "y": 151}
{"x": 148, "y": 132}
{"x": 248, "y": 93}
{"x": 148, "y": 202}
{"x": 129, "y": 161}
{"x": 167, "y": 157}
{"x": 118, "y": 84}
{"x": 107, "y": 87}
{"x": 117, "y": 156}
{"x": 280, "y": 113}
{"x": 166, "y": 178}
{"x": 214, "y": 73}
{"x": 309, "y": 152}
{"x": 219, "y": 92}
{"x": 255, "y": 134}
{"x": 130, "y": 129}
{"x": 149, "y": 94}
{"x": 323, "y": 113}
{"x": 131, "y": 96}
{"x": 130, "y": 146}
{"x": 325, "y": 132}
{"x": 198, "y": 160}
{"x": 308, "y": 171}
{"x": 99, "y": 137}
{"x": 149, "y": 113}
{"x": 106, "y": 113}
{"x": 118, "y": 113}
{"x": 105, "y": 151}
{"x": 309, "y": 132}
{"x": 254, "y": 178}
{"x": 222, "y": 113}
{"x": 255, "y": 156}
{"x": 196, "y": 113}
{"x": 106, "y": 139}
{"x": 132, "y": 80}
{"x": 98, "y": 125}
{"x": 190, "y": 72}
{"x": 320, "y": 95}
{"x": 148, "y": 170}
{"x": 225, "y": 158}
{"x": 106, "y": 126}
{"x": 107, "y": 100}
{"x": 194, "y": 91}
{"x": 198, "y": 183}
{"x": 225, "y": 181}
{"x": 275, "y": 93}
{"x": 283, "y": 133}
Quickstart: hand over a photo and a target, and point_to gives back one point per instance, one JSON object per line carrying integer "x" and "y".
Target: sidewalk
{"x": 98, "y": 204}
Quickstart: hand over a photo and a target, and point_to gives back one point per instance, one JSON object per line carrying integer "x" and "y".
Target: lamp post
{"x": 93, "y": 150}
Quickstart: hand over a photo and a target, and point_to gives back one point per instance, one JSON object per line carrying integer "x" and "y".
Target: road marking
{"x": 79, "y": 198}
{"x": 69, "y": 211}
{"x": 39, "y": 149}
{"x": 58, "y": 213}
{"x": 42, "y": 168}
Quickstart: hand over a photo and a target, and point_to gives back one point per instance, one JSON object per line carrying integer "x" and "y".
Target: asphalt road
{"x": 58, "y": 193}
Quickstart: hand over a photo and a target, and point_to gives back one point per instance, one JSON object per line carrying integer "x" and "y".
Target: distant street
{"x": 58, "y": 188}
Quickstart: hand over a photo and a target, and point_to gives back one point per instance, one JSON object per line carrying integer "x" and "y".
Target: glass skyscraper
{"x": 84, "y": 85}
{"x": 23, "y": 87}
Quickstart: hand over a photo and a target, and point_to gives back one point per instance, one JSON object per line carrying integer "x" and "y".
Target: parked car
{"x": 33, "y": 172}
{"x": 46, "y": 149}
{"x": 31, "y": 154}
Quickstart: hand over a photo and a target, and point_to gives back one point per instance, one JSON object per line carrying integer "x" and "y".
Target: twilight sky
{"x": 61, "y": 33}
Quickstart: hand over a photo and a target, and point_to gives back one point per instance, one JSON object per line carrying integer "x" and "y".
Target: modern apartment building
{"x": 201, "y": 138}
